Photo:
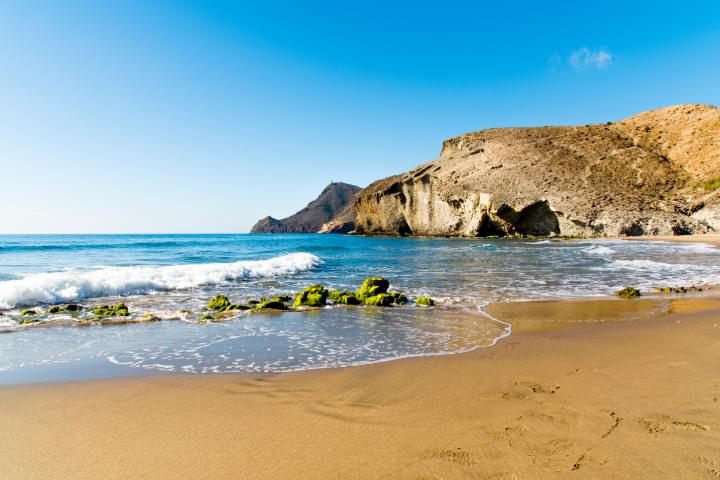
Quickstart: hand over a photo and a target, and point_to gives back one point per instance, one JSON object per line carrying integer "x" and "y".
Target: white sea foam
{"x": 71, "y": 286}
{"x": 599, "y": 250}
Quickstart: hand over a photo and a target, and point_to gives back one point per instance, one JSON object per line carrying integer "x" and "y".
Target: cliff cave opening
{"x": 537, "y": 219}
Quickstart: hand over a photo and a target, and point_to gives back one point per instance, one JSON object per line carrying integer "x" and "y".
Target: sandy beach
{"x": 600, "y": 400}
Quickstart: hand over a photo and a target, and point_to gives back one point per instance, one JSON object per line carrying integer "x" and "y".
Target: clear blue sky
{"x": 175, "y": 116}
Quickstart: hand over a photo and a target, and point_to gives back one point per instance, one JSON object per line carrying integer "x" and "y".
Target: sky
{"x": 158, "y": 116}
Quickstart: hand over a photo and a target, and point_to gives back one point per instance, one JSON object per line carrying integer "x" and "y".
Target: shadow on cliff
{"x": 537, "y": 219}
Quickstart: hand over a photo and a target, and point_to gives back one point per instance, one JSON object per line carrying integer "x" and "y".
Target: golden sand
{"x": 611, "y": 399}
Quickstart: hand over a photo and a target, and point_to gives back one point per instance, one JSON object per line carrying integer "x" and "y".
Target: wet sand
{"x": 610, "y": 399}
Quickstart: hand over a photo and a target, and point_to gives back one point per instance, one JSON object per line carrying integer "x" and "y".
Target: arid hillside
{"x": 654, "y": 173}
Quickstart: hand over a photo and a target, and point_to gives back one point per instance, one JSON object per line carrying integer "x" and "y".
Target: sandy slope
{"x": 608, "y": 400}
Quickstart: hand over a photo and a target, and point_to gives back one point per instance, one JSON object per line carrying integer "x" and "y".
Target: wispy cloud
{"x": 586, "y": 59}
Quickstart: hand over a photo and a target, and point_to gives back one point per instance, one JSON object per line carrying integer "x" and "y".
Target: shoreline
{"x": 620, "y": 400}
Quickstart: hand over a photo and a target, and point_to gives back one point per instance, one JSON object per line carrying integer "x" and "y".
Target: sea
{"x": 172, "y": 277}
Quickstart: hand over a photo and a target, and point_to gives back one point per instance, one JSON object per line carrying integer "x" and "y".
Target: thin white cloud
{"x": 586, "y": 59}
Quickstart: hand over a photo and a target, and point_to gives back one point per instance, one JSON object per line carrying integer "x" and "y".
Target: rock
{"x": 186, "y": 312}
{"x": 398, "y": 298}
{"x": 425, "y": 301}
{"x": 120, "y": 310}
{"x": 54, "y": 309}
{"x": 344, "y": 297}
{"x": 628, "y": 292}
{"x": 371, "y": 287}
{"x": 26, "y": 321}
{"x": 237, "y": 306}
{"x": 72, "y": 307}
{"x": 270, "y": 305}
{"x": 312, "y": 296}
{"x": 218, "y": 303}
{"x": 380, "y": 300}
{"x": 27, "y": 311}
{"x": 334, "y": 206}
{"x": 206, "y": 317}
{"x": 651, "y": 174}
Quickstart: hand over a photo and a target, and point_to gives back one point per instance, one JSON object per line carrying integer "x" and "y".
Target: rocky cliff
{"x": 655, "y": 173}
{"x": 332, "y": 212}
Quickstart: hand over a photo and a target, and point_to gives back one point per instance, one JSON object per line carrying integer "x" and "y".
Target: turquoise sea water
{"x": 165, "y": 274}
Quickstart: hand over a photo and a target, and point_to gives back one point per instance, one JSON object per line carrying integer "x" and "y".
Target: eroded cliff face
{"x": 649, "y": 174}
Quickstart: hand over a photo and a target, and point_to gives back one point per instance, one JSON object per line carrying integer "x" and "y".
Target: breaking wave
{"x": 57, "y": 287}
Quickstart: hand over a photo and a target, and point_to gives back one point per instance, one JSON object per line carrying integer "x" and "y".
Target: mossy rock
{"x": 282, "y": 298}
{"x": 150, "y": 317}
{"x": 398, "y": 298}
{"x": 628, "y": 292}
{"x": 72, "y": 307}
{"x": 237, "y": 306}
{"x": 425, "y": 301}
{"x": 206, "y": 317}
{"x": 186, "y": 312}
{"x": 27, "y": 311}
{"x": 270, "y": 305}
{"x": 218, "y": 303}
{"x": 344, "y": 297}
{"x": 119, "y": 310}
{"x": 371, "y": 287}
{"x": 312, "y": 296}
{"x": 27, "y": 321}
{"x": 380, "y": 300}
{"x": 54, "y": 309}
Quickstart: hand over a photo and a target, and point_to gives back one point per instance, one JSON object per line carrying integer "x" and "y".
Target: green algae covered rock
{"x": 54, "y": 309}
{"x": 380, "y": 300}
{"x": 398, "y": 298}
{"x": 344, "y": 297}
{"x": 371, "y": 287}
{"x": 26, "y": 321}
{"x": 28, "y": 311}
{"x": 425, "y": 301}
{"x": 270, "y": 305}
{"x": 628, "y": 292}
{"x": 282, "y": 298}
{"x": 72, "y": 307}
{"x": 218, "y": 303}
{"x": 119, "y": 310}
{"x": 237, "y": 306}
{"x": 312, "y": 296}
{"x": 206, "y": 318}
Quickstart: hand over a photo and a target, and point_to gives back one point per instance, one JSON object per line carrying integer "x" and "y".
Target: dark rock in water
{"x": 655, "y": 173}
{"x": 27, "y": 311}
{"x": 425, "y": 301}
{"x": 270, "y": 305}
{"x": 628, "y": 292}
{"x": 371, "y": 287}
{"x": 332, "y": 212}
{"x": 54, "y": 309}
{"x": 206, "y": 317}
{"x": 398, "y": 298}
{"x": 237, "y": 306}
{"x": 312, "y": 296}
{"x": 72, "y": 307}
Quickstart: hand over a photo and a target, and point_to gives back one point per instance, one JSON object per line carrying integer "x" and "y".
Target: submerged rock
{"x": 206, "y": 317}
{"x": 628, "y": 292}
{"x": 425, "y": 301}
{"x": 27, "y": 311}
{"x": 312, "y": 296}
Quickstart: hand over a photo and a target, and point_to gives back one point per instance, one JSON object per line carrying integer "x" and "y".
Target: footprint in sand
{"x": 663, "y": 423}
{"x": 457, "y": 456}
{"x": 712, "y": 466}
{"x": 523, "y": 390}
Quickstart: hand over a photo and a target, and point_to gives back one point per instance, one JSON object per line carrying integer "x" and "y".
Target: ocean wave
{"x": 599, "y": 250}
{"x": 57, "y": 287}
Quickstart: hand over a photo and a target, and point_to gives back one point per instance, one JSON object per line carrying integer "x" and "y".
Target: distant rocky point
{"x": 332, "y": 212}
{"x": 655, "y": 173}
